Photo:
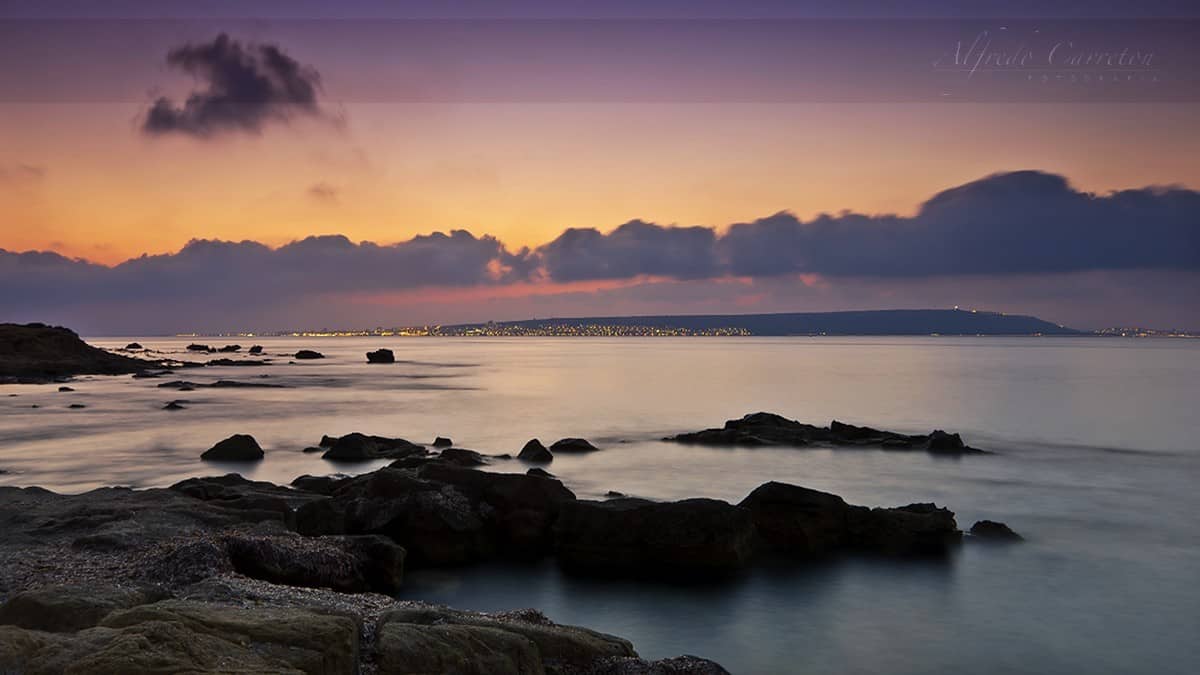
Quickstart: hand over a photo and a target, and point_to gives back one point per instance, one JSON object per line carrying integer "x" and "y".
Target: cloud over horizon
{"x": 246, "y": 86}
{"x": 1005, "y": 226}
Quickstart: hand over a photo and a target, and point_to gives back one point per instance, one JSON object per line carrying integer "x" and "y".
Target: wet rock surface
{"x": 381, "y": 356}
{"x": 990, "y": 530}
{"x": 765, "y": 429}
{"x": 236, "y": 448}
{"x": 534, "y": 451}
{"x": 358, "y": 446}
{"x": 308, "y": 354}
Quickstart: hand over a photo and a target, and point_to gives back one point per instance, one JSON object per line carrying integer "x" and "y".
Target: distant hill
{"x": 875, "y": 322}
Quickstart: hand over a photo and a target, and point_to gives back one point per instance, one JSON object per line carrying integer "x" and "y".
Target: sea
{"x": 1095, "y": 460}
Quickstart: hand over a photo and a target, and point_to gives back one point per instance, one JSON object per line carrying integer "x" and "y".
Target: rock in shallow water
{"x": 358, "y": 446}
{"x": 308, "y": 354}
{"x": 994, "y": 531}
{"x": 759, "y": 429}
{"x": 534, "y": 451}
{"x": 572, "y": 445}
{"x": 381, "y": 356}
{"x": 236, "y": 448}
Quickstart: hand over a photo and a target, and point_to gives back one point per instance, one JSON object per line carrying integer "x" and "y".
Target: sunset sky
{"x": 390, "y": 121}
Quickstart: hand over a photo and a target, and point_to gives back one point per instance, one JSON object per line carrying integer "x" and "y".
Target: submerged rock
{"x": 133, "y": 346}
{"x": 572, "y": 445}
{"x": 236, "y": 448}
{"x": 994, "y": 531}
{"x": 77, "y": 406}
{"x": 442, "y": 442}
{"x": 65, "y": 389}
{"x": 174, "y": 405}
{"x": 230, "y": 348}
{"x": 534, "y": 451}
{"x": 255, "y": 349}
{"x": 194, "y": 347}
{"x": 381, "y": 356}
{"x": 308, "y": 354}
{"x": 759, "y": 429}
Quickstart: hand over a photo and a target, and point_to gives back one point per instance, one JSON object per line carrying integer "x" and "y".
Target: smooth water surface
{"x": 1097, "y": 462}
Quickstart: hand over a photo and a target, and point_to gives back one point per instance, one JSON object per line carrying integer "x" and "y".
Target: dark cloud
{"x": 1026, "y": 230}
{"x": 633, "y": 249}
{"x": 1025, "y": 222}
{"x": 247, "y": 86}
{"x": 323, "y": 192}
{"x": 209, "y": 275}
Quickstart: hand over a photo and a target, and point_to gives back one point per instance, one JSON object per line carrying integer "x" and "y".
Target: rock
{"x": 308, "y": 354}
{"x": 255, "y": 349}
{"x": 174, "y": 405}
{"x": 991, "y": 530}
{"x": 381, "y": 356}
{"x": 322, "y": 485}
{"x": 194, "y": 347}
{"x": 236, "y": 448}
{"x": 428, "y": 638}
{"x": 758, "y": 429}
{"x": 462, "y": 457}
{"x": 253, "y": 501}
{"x": 235, "y": 362}
{"x": 132, "y": 346}
{"x": 534, "y": 451}
{"x": 77, "y": 406}
{"x": 230, "y": 348}
{"x": 679, "y": 665}
{"x": 346, "y": 564}
{"x": 442, "y": 442}
{"x": 637, "y": 537}
{"x": 803, "y": 523}
{"x": 327, "y": 441}
{"x": 356, "y": 447}
{"x": 36, "y": 353}
{"x": 313, "y": 448}
{"x": 613, "y": 494}
{"x": 66, "y": 609}
{"x": 465, "y": 650}
{"x": 572, "y": 445}
{"x": 65, "y": 389}
{"x": 539, "y": 472}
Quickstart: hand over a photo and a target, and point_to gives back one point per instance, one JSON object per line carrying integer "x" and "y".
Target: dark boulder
{"x": 534, "y": 451}
{"x": 346, "y": 564}
{"x": 308, "y": 354}
{"x": 322, "y": 485}
{"x": 77, "y": 406}
{"x": 637, "y": 537}
{"x": 65, "y": 389}
{"x": 803, "y": 523}
{"x": 132, "y": 346}
{"x": 255, "y": 349}
{"x": 312, "y": 448}
{"x": 194, "y": 347}
{"x": 993, "y": 531}
{"x": 174, "y": 405}
{"x": 462, "y": 457}
{"x": 572, "y": 445}
{"x": 759, "y": 429}
{"x": 539, "y": 472}
{"x": 236, "y": 448}
{"x": 442, "y": 442}
{"x": 358, "y": 447}
{"x": 327, "y": 441}
{"x": 230, "y": 348}
{"x": 381, "y": 356}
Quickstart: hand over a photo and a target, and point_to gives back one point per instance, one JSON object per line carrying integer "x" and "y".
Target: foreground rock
{"x": 381, "y": 356}
{"x": 39, "y": 353}
{"x": 636, "y": 537}
{"x": 759, "y": 429}
{"x": 804, "y": 523}
{"x": 236, "y": 448}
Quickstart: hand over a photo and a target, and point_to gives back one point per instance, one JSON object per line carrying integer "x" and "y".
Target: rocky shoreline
{"x": 224, "y": 573}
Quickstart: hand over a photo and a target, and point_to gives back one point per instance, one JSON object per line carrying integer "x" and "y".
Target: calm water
{"x": 1097, "y": 464}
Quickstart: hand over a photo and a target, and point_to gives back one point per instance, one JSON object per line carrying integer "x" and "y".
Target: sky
{"x": 173, "y": 167}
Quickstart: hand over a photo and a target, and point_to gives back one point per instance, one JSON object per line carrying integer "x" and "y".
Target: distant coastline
{"x": 868, "y": 323}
